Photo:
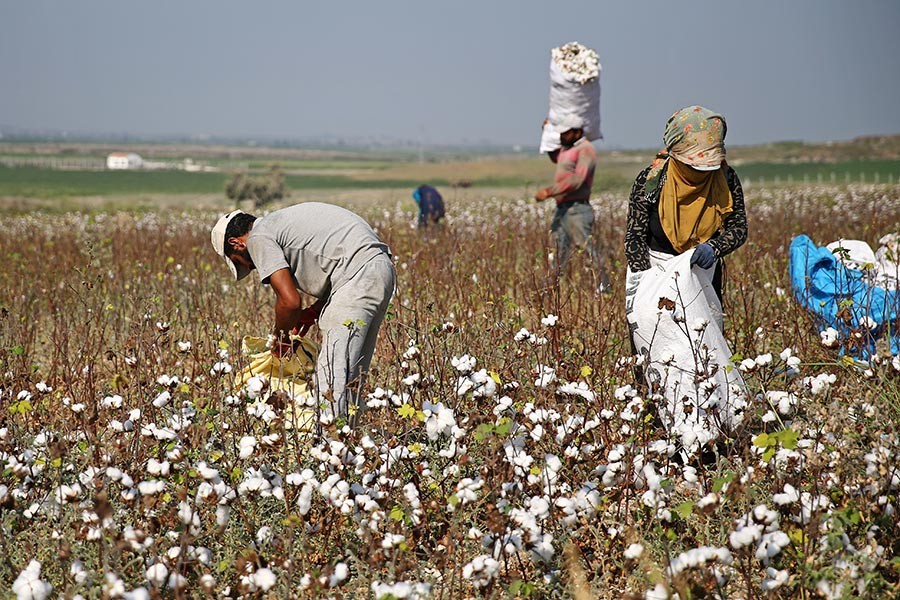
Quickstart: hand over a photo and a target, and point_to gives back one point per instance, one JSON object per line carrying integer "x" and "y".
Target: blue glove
{"x": 704, "y": 256}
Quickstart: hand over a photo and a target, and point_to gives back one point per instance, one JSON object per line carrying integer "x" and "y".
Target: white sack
{"x": 853, "y": 254}
{"x": 880, "y": 268}
{"x": 687, "y": 362}
{"x": 570, "y": 95}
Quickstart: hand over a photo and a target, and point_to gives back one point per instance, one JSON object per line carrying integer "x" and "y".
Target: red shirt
{"x": 574, "y": 172}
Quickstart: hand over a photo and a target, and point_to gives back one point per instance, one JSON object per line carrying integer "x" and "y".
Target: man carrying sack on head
{"x": 574, "y": 217}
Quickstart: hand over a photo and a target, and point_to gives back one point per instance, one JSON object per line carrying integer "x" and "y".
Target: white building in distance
{"x": 124, "y": 160}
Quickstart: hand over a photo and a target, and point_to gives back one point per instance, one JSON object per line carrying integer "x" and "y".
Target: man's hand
{"x": 306, "y": 319}
{"x": 542, "y": 194}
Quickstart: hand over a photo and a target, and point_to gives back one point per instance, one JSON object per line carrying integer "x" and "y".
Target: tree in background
{"x": 261, "y": 190}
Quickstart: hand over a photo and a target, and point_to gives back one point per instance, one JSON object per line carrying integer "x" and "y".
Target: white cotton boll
{"x": 177, "y": 581}
{"x": 114, "y": 401}
{"x": 699, "y": 325}
{"x": 790, "y": 496}
{"x": 774, "y": 579}
{"x": 264, "y": 535}
{"x": 634, "y": 551}
{"x": 464, "y": 363}
{"x": 549, "y": 320}
{"x": 481, "y": 571}
{"x": 744, "y": 536}
{"x": 869, "y": 323}
{"x": 764, "y": 359}
{"x": 829, "y": 337}
{"x": 254, "y": 386}
{"x": 29, "y": 586}
{"x": 157, "y": 574}
{"x": 220, "y": 368}
{"x": 392, "y": 540}
{"x": 113, "y": 587}
{"x": 162, "y": 399}
{"x": 819, "y": 384}
{"x": 522, "y": 335}
{"x": 247, "y": 445}
{"x": 341, "y": 572}
{"x": 157, "y": 468}
{"x": 784, "y": 402}
{"x": 546, "y": 376}
{"x": 151, "y": 487}
{"x": 711, "y": 500}
{"x": 222, "y": 515}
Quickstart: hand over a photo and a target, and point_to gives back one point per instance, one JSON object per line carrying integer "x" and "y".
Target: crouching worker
{"x": 431, "y": 205}
{"x": 332, "y": 255}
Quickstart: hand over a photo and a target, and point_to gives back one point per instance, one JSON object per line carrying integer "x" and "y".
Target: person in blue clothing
{"x": 431, "y": 205}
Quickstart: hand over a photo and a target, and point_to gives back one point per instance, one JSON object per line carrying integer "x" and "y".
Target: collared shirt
{"x": 574, "y": 172}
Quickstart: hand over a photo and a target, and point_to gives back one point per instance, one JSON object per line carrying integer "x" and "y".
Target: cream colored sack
{"x": 289, "y": 375}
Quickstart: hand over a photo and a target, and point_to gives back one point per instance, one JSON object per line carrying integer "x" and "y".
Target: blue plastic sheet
{"x": 842, "y": 298}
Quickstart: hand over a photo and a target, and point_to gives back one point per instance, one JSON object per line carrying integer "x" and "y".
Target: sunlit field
{"x": 505, "y": 450}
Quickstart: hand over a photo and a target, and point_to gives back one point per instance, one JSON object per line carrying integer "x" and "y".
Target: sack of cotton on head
{"x": 574, "y": 90}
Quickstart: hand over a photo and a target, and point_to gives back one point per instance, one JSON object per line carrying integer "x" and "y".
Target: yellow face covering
{"x": 692, "y": 204}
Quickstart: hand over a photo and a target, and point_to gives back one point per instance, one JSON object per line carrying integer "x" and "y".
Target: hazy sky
{"x": 450, "y": 72}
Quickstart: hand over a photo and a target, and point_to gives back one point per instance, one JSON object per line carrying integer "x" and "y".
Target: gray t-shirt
{"x": 323, "y": 245}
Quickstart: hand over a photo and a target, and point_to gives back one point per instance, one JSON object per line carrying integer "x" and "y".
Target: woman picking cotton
{"x": 685, "y": 213}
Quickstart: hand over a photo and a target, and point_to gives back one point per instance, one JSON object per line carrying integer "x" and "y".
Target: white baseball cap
{"x": 218, "y": 243}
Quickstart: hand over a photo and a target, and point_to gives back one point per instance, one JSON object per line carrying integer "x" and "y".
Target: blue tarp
{"x": 842, "y": 299}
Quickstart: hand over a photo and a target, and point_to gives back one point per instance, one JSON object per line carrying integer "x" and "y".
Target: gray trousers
{"x": 349, "y": 324}
{"x": 571, "y": 226}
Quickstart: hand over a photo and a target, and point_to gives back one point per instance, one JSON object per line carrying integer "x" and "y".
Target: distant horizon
{"x": 336, "y": 142}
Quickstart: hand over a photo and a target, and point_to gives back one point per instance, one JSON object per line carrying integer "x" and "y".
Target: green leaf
{"x": 406, "y": 411}
{"x": 788, "y": 438}
{"x": 684, "y": 509}
{"x": 397, "y": 513}
{"x": 482, "y": 431}
{"x": 769, "y": 453}
{"x": 503, "y": 426}
{"x": 18, "y": 350}
{"x": 720, "y": 482}
{"x": 762, "y": 440}
{"x": 586, "y": 371}
{"x": 496, "y": 377}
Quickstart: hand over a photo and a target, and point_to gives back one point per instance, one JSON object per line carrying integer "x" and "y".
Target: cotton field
{"x": 505, "y": 448}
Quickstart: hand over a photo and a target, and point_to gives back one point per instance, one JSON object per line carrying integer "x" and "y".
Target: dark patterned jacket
{"x": 643, "y": 231}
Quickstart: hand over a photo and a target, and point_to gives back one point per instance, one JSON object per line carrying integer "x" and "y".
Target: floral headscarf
{"x": 696, "y": 136}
